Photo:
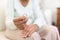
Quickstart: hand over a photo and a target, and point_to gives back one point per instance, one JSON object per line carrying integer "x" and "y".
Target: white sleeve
{"x": 9, "y": 16}
{"x": 30, "y": 20}
{"x": 40, "y": 21}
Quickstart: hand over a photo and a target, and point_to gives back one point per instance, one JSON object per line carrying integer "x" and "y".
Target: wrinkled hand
{"x": 20, "y": 22}
{"x": 29, "y": 30}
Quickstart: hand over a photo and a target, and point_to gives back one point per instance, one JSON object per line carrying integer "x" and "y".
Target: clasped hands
{"x": 27, "y": 29}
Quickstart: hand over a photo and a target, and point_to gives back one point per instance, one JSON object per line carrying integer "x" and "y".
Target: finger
{"x": 25, "y": 31}
{"x": 23, "y": 21}
{"x": 26, "y": 34}
{"x": 23, "y": 17}
{"x": 31, "y": 30}
{"x": 19, "y": 18}
{"x": 16, "y": 23}
{"x": 30, "y": 33}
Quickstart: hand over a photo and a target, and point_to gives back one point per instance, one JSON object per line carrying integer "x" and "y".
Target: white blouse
{"x": 31, "y": 11}
{"x": 24, "y": 11}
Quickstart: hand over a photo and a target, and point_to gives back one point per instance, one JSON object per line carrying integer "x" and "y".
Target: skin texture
{"x": 21, "y": 23}
{"x": 24, "y": 2}
{"x": 27, "y": 29}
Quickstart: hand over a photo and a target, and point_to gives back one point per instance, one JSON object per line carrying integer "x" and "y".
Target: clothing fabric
{"x": 32, "y": 12}
{"x": 47, "y": 32}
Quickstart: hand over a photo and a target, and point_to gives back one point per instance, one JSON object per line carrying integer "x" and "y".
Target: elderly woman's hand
{"x": 29, "y": 30}
{"x": 20, "y": 22}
